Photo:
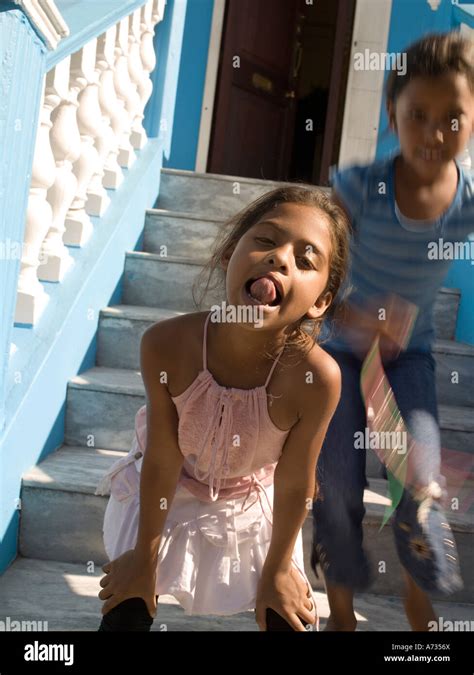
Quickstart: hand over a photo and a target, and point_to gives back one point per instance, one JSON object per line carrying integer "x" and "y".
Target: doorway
{"x": 281, "y": 89}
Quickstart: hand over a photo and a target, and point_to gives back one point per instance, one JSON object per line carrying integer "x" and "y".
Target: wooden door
{"x": 254, "y": 110}
{"x": 337, "y": 90}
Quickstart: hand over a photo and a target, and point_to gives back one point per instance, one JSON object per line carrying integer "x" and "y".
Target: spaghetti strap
{"x": 274, "y": 365}
{"x": 204, "y": 352}
{"x": 204, "y": 343}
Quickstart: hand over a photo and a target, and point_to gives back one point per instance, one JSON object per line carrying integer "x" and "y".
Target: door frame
{"x": 210, "y": 82}
{"x": 209, "y": 95}
{"x": 337, "y": 98}
{"x": 363, "y": 107}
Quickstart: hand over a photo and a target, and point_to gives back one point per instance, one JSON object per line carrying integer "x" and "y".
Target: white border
{"x": 364, "y": 92}
{"x": 207, "y": 109}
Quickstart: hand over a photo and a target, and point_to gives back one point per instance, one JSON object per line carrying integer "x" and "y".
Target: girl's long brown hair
{"x": 212, "y": 276}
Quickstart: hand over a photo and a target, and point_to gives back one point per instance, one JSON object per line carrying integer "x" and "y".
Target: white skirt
{"x": 211, "y": 554}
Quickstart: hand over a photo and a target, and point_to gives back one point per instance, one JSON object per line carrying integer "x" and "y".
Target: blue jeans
{"x": 339, "y": 510}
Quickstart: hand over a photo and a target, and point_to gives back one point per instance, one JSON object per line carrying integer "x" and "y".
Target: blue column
{"x": 192, "y": 76}
{"x": 159, "y": 112}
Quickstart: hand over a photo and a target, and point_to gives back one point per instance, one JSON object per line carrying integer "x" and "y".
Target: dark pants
{"x": 338, "y": 514}
{"x": 132, "y": 615}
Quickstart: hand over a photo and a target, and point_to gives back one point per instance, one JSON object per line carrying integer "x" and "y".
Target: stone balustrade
{"x": 90, "y": 129}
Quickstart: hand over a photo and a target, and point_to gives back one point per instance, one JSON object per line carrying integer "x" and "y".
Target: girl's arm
{"x": 162, "y": 459}
{"x": 294, "y": 491}
{"x": 133, "y": 574}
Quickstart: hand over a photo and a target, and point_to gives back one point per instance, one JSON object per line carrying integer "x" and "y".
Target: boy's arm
{"x": 296, "y": 470}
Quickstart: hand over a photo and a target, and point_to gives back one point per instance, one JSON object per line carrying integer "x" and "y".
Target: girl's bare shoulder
{"x": 315, "y": 376}
{"x": 172, "y": 344}
{"x": 172, "y": 334}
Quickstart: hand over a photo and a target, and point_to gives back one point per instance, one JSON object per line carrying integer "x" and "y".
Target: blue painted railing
{"x": 463, "y": 14}
{"x": 36, "y": 362}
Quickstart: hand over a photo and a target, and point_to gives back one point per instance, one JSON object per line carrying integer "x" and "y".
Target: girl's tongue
{"x": 264, "y": 291}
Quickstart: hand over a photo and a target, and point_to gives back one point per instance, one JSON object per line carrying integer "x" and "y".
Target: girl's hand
{"x": 129, "y": 576}
{"x": 285, "y": 592}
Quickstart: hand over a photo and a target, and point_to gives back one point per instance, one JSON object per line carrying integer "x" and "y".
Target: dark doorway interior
{"x": 326, "y": 43}
{"x": 281, "y": 88}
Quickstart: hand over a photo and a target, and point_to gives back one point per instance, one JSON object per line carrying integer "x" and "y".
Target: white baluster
{"x": 158, "y": 10}
{"x": 66, "y": 147}
{"x": 141, "y": 75}
{"x": 126, "y": 92}
{"x": 137, "y": 71}
{"x": 89, "y": 117}
{"x": 31, "y": 297}
{"x": 97, "y": 197}
{"x": 113, "y": 111}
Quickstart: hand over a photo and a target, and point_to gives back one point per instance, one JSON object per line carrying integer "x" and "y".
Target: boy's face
{"x": 293, "y": 242}
{"x": 434, "y": 119}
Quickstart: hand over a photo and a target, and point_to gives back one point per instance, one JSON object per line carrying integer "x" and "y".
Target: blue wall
{"x": 22, "y": 62}
{"x": 410, "y": 20}
{"x": 192, "y": 75}
{"x": 22, "y": 58}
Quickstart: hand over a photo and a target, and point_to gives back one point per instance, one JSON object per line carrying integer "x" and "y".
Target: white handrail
{"x": 47, "y": 19}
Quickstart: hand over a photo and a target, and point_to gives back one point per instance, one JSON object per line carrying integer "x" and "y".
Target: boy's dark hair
{"x": 238, "y": 225}
{"x": 433, "y": 56}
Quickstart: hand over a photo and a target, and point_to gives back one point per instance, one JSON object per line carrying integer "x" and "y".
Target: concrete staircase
{"x": 61, "y": 518}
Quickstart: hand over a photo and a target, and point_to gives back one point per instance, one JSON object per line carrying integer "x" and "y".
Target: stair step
{"x": 457, "y": 418}
{"x": 445, "y": 313}
{"x": 102, "y": 403}
{"x": 101, "y": 407}
{"x": 30, "y": 592}
{"x": 59, "y": 493}
{"x": 58, "y": 496}
{"x": 74, "y": 605}
{"x": 157, "y": 281}
{"x": 454, "y": 372}
{"x": 65, "y": 595}
{"x": 120, "y": 330}
{"x": 122, "y": 326}
{"x": 457, "y": 433}
{"x": 380, "y": 546}
{"x": 209, "y": 194}
{"x": 183, "y": 234}
{"x": 154, "y": 280}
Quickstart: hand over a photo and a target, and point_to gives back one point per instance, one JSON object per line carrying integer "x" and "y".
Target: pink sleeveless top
{"x": 229, "y": 442}
{"x": 226, "y": 435}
